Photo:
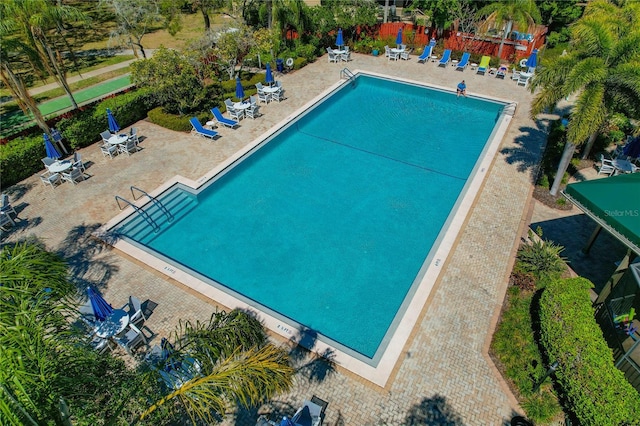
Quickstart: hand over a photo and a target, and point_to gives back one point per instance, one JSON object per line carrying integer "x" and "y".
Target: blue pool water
{"x": 329, "y": 223}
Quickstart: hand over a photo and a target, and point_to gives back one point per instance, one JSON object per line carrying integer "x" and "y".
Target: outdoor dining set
{"x": 114, "y": 143}
{"x": 624, "y": 159}
{"x": 58, "y": 171}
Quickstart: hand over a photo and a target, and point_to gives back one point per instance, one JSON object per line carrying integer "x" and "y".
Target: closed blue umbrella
{"x": 286, "y": 422}
{"x": 339, "y": 40}
{"x": 632, "y": 149}
{"x": 113, "y": 124}
{"x": 101, "y": 309}
{"x": 532, "y": 62}
{"x": 239, "y": 89}
{"x": 432, "y": 43}
{"x": 399, "y": 38}
{"x": 269, "y": 77}
{"x": 52, "y": 152}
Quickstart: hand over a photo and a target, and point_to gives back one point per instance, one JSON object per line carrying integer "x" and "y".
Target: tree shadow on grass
{"x": 81, "y": 251}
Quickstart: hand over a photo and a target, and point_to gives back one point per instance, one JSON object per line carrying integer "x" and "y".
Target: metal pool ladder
{"x": 154, "y": 200}
{"x": 346, "y": 73}
{"x": 141, "y": 212}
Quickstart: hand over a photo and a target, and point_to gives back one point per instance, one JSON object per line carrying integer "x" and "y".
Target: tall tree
{"x": 602, "y": 68}
{"x": 133, "y": 20}
{"x": 520, "y": 12}
{"x": 35, "y": 21}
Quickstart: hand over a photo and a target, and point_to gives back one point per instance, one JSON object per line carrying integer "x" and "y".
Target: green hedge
{"x": 84, "y": 128}
{"x": 594, "y": 389}
{"x": 20, "y": 158}
{"x": 179, "y": 123}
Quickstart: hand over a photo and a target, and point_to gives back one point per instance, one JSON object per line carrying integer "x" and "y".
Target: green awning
{"x": 614, "y": 203}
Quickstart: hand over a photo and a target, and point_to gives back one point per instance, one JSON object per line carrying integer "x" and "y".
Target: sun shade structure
{"x": 113, "y": 124}
{"x": 52, "y": 152}
{"x": 101, "y": 309}
{"x": 269, "y": 75}
{"x": 613, "y": 203}
{"x": 239, "y": 89}
{"x": 339, "y": 39}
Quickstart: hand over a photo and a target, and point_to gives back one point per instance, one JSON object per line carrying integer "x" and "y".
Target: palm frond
{"x": 593, "y": 37}
{"x": 623, "y": 89}
{"x": 588, "y": 71}
{"x": 588, "y": 114}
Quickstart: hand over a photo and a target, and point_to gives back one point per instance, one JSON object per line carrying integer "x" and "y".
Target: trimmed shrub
{"x": 20, "y": 158}
{"x": 593, "y": 388}
{"x": 179, "y": 123}
{"x": 540, "y": 259}
{"x": 84, "y": 128}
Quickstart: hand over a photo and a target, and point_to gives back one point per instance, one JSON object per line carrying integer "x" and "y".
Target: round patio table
{"x": 113, "y": 324}
{"x": 60, "y": 166}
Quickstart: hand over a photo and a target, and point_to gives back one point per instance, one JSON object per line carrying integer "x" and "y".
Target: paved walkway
{"x": 445, "y": 375}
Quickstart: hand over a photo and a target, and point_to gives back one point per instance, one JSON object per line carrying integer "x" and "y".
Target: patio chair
{"x": 233, "y": 113}
{"x": 446, "y": 57}
{"x": 310, "y": 414}
{"x": 51, "y": 179}
{"x": 406, "y": 54}
{"x": 133, "y": 135}
{"x": 252, "y": 111}
{"x": 201, "y": 131}
{"x": 484, "y": 65}
{"x": 606, "y": 166}
{"x": 424, "y": 57}
{"x": 464, "y": 61}
{"x": 77, "y": 161}
{"x": 128, "y": 147}
{"x": 109, "y": 150}
{"x": 217, "y": 116}
{"x": 5, "y": 220}
{"x": 106, "y": 135}
{"x": 515, "y": 75}
{"x": 393, "y": 55}
{"x": 134, "y": 309}
{"x": 279, "y": 94}
{"x": 346, "y": 56}
{"x": 131, "y": 338}
{"x": 47, "y": 161}
{"x": 73, "y": 176}
{"x": 332, "y": 56}
{"x": 523, "y": 80}
{"x": 502, "y": 72}
{"x": 5, "y": 205}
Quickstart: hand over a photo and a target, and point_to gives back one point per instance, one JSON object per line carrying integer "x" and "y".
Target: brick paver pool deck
{"x": 445, "y": 372}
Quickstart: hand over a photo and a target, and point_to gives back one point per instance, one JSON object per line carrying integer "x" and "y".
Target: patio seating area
{"x": 435, "y": 346}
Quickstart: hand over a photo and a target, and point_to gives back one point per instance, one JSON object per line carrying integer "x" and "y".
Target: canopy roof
{"x": 614, "y": 203}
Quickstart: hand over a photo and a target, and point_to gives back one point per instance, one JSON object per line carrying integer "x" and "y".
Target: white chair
{"x": 134, "y": 309}
{"x": 131, "y": 338}
{"x": 73, "y": 176}
{"x": 128, "y": 147}
{"x": 5, "y": 220}
{"x": 5, "y": 206}
{"x": 279, "y": 94}
{"x": 393, "y": 55}
{"x": 346, "y": 57}
{"x": 77, "y": 161}
{"x": 405, "y": 55}
{"x": 51, "y": 179}
{"x": 522, "y": 80}
{"x": 233, "y": 113}
{"x": 133, "y": 135}
{"x": 332, "y": 56}
{"x": 106, "y": 135}
{"x": 515, "y": 75}
{"x": 109, "y": 150}
{"x": 47, "y": 161}
{"x": 387, "y": 51}
{"x": 252, "y": 111}
{"x": 606, "y": 166}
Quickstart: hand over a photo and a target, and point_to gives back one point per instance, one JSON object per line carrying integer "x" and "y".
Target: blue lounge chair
{"x": 201, "y": 131}
{"x": 446, "y": 57}
{"x": 464, "y": 61}
{"x": 426, "y": 54}
{"x": 484, "y": 64}
{"x": 217, "y": 116}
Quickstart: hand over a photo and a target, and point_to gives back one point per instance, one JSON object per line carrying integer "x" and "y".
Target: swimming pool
{"x": 338, "y": 215}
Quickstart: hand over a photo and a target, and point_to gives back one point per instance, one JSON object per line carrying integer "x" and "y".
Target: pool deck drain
{"x": 444, "y": 369}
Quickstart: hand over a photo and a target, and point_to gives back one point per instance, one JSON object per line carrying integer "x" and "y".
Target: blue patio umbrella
{"x": 532, "y": 62}
{"x": 632, "y": 149}
{"x": 432, "y": 43}
{"x": 286, "y": 422}
{"x": 101, "y": 309}
{"x": 52, "y": 152}
{"x": 399, "y": 37}
{"x": 269, "y": 77}
{"x": 113, "y": 124}
{"x": 339, "y": 40}
{"x": 239, "y": 89}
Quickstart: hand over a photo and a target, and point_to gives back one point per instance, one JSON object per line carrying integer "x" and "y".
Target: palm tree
{"x": 603, "y": 68}
{"x": 32, "y": 21}
{"x": 521, "y": 12}
{"x": 237, "y": 365}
